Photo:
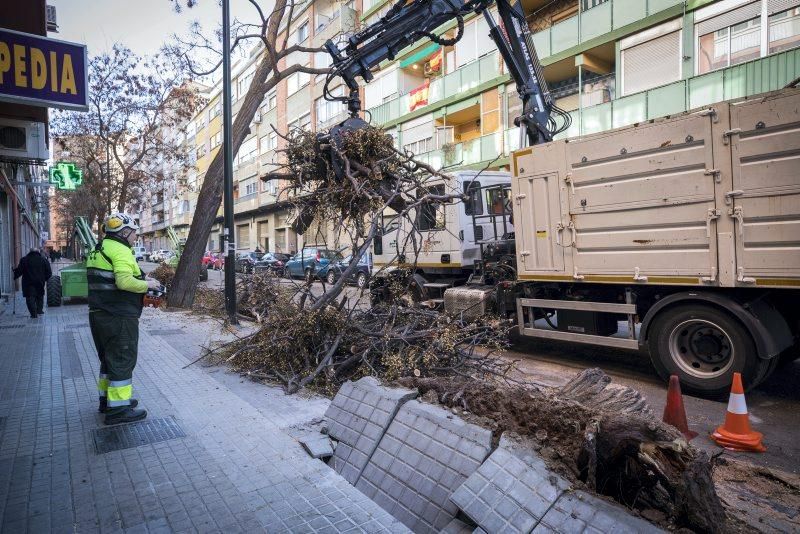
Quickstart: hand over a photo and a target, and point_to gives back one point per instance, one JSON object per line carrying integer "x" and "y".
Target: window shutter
{"x": 652, "y": 63}
{"x": 729, "y": 18}
{"x": 776, "y": 6}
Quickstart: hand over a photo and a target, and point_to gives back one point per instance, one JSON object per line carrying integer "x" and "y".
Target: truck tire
{"x": 54, "y": 291}
{"x": 203, "y": 273}
{"x": 330, "y": 278}
{"x": 704, "y": 346}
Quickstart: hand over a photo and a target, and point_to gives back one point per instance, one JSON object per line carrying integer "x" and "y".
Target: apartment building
{"x": 262, "y": 213}
{"x": 609, "y": 62}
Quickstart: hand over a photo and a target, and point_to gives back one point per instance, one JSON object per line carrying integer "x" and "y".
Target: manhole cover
{"x": 115, "y": 438}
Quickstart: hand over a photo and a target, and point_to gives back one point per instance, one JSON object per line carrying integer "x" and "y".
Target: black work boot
{"x": 126, "y": 415}
{"x": 104, "y": 404}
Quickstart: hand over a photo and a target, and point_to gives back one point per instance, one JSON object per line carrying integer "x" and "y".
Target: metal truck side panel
{"x": 765, "y": 199}
{"x": 647, "y": 203}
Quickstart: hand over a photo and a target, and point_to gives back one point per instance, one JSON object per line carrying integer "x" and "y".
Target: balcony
{"x": 476, "y": 151}
{"x": 457, "y": 82}
{"x": 595, "y": 22}
{"x": 758, "y": 76}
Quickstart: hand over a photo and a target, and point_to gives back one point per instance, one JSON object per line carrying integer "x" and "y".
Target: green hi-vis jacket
{"x": 116, "y": 283}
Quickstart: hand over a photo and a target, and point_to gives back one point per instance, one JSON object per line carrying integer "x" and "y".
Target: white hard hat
{"x": 119, "y": 221}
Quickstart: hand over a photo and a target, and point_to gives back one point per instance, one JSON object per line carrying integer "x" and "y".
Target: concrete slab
{"x": 511, "y": 491}
{"x": 317, "y": 446}
{"x": 426, "y": 453}
{"x": 582, "y": 512}
{"x": 358, "y": 417}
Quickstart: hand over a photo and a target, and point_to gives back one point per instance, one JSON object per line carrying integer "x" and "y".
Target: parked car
{"x": 140, "y": 253}
{"x": 273, "y": 261}
{"x": 159, "y": 256}
{"x": 245, "y": 261}
{"x": 360, "y": 276}
{"x": 310, "y": 261}
{"x": 213, "y": 260}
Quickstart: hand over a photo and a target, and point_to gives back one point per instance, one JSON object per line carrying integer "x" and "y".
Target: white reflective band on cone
{"x": 736, "y": 404}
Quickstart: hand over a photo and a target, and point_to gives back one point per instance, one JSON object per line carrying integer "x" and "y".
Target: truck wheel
{"x": 203, "y": 273}
{"x": 54, "y": 291}
{"x": 330, "y": 278}
{"x": 704, "y": 346}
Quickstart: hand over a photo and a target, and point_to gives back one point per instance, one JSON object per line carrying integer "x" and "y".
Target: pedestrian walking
{"x": 116, "y": 292}
{"x": 35, "y": 272}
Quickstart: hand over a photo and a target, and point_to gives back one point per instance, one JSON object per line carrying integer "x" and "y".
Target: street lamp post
{"x": 227, "y": 153}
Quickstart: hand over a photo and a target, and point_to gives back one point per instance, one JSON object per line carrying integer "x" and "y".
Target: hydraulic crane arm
{"x": 406, "y": 22}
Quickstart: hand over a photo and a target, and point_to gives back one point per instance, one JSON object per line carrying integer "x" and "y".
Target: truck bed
{"x": 709, "y": 197}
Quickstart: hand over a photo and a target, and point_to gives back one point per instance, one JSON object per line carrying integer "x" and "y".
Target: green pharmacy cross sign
{"x": 66, "y": 176}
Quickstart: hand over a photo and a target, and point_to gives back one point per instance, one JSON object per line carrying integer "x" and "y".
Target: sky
{"x": 142, "y": 25}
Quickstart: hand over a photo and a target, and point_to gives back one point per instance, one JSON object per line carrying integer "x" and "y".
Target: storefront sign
{"x": 40, "y": 71}
{"x": 66, "y": 176}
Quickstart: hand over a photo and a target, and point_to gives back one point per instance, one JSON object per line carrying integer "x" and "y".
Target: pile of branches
{"x": 298, "y": 346}
{"x": 319, "y": 337}
{"x": 164, "y": 274}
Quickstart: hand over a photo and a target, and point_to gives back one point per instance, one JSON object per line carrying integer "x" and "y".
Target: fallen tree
{"x": 602, "y": 437}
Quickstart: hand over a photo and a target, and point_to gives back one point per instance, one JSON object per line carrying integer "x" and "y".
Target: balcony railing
{"x": 758, "y": 76}
{"x": 459, "y": 81}
{"x": 600, "y": 19}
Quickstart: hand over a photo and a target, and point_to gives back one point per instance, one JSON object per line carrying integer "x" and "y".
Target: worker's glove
{"x": 153, "y": 284}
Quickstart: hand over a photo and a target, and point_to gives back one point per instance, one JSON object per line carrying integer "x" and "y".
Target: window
{"x": 244, "y": 84}
{"x": 430, "y": 215}
{"x": 784, "y": 30}
{"x": 322, "y": 60}
{"x": 473, "y": 206}
{"x": 651, "y": 58}
{"x": 248, "y": 150}
{"x": 191, "y": 129}
{"x": 215, "y": 110}
{"x": 327, "y": 110}
{"x": 475, "y": 42}
{"x": 243, "y": 236}
{"x": 268, "y": 142}
{"x": 383, "y": 87}
{"x": 420, "y": 146}
{"x": 302, "y": 32}
{"x": 302, "y": 122}
{"x": 216, "y": 140}
{"x": 270, "y": 101}
{"x": 250, "y": 187}
{"x": 297, "y": 81}
{"x": 200, "y": 151}
{"x": 731, "y": 36}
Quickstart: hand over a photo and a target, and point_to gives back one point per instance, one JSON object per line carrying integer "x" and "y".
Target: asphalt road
{"x": 774, "y": 406}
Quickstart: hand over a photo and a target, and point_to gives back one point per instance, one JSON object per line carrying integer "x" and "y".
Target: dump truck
{"x": 679, "y": 236}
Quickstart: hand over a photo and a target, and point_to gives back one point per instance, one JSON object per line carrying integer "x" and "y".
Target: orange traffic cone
{"x": 674, "y": 412}
{"x": 735, "y": 434}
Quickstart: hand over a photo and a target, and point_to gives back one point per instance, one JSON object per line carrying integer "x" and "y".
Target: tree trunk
{"x": 187, "y": 275}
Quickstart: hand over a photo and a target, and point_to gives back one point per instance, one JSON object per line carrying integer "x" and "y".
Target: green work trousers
{"x": 117, "y": 341}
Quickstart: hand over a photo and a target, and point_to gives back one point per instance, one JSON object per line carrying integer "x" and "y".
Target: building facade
{"x": 610, "y": 63}
{"x": 24, "y": 203}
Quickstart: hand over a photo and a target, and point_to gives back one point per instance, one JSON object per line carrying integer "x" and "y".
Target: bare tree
{"x": 120, "y": 142}
{"x": 269, "y": 72}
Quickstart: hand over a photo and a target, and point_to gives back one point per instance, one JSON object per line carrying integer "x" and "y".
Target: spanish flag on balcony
{"x": 419, "y": 97}
{"x": 435, "y": 62}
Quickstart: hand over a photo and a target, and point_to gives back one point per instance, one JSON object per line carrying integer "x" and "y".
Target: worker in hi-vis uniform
{"x": 116, "y": 291}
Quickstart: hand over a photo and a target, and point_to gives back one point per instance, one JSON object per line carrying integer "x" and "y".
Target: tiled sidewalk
{"x": 236, "y": 470}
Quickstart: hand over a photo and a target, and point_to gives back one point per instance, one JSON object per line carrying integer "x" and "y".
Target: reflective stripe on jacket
{"x": 116, "y": 284}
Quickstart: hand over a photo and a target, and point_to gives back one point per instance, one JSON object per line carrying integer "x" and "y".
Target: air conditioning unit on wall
{"x": 23, "y": 140}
